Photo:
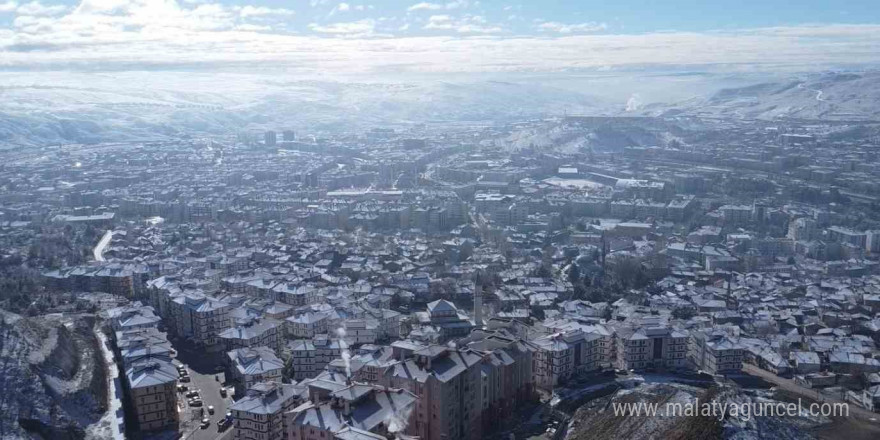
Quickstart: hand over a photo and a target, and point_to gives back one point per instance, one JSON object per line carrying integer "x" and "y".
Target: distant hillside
{"x": 830, "y": 96}
{"x": 106, "y": 108}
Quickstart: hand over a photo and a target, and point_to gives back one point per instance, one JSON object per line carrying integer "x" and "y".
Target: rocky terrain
{"x": 52, "y": 376}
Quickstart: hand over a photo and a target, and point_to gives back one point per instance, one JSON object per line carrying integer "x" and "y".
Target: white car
{"x": 210, "y": 409}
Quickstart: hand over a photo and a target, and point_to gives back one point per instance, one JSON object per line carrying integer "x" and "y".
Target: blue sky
{"x": 620, "y": 16}
{"x": 452, "y": 35}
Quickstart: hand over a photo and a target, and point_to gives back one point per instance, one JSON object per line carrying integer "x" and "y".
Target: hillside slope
{"x": 829, "y": 96}
{"x": 52, "y": 378}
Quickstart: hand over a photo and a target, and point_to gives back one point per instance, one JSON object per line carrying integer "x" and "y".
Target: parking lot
{"x": 202, "y": 371}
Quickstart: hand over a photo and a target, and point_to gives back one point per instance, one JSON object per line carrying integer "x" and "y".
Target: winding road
{"x": 98, "y": 252}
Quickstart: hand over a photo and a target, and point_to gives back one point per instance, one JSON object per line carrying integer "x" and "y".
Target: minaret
{"x": 478, "y": 304}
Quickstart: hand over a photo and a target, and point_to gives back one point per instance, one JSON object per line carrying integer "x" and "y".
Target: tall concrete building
{"x": 651, "y": 346}
{"x": 259, "y": 415}
{"x": 715, "y": 353}
{"x": 271, "y": 138}
{"x": 152, "y": 394}
{"x": 250, "y": 366}
{"x": 353, "y": 411}
{"x": 447, "y": 382}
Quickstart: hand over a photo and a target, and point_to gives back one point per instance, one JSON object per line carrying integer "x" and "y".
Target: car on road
{"x": 211, "y": 409}
{"x": 222, "y": 392}
{"x": 196, "y": 402}
{"x": 193, "y": 393}
{"x": 206, "y": 422}
{"x": 223, "y": 424}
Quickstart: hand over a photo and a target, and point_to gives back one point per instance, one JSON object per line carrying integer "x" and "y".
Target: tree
{"x": 683, "y": 312}
{"x": 574, "y": 273}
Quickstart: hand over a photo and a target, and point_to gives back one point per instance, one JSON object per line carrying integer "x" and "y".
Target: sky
{"x": 456, "y": 36}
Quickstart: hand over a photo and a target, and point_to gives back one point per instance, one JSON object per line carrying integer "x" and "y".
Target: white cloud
{"x": 253, "y": 28}
{"x": 255, "y": 11}
{"x": 469, "y": 24}
{"x": 581, "y": 28}
{"x": 102, "y": 6}
{"x": 37, "y": 9}
{"x": 343, "y": 7}
{"x": 426, "y": 6}
{"x": 457, "y": 4}
{"x": 8, "y": 6}
{"x": 119, "y": 34}
{"x": 351, "y": 28}
{"x": 441, "y": 22}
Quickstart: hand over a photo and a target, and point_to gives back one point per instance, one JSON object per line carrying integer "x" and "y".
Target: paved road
{"x": 201, "y": 368}
{"x": 98, "y": 252}
{"x": 808, "y": 393}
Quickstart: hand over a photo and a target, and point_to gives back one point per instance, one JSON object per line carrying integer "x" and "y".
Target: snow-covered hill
{"x": 128, "y": 106}
{"x": 828, "y": 96}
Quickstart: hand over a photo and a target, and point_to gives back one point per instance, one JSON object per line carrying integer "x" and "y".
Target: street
{"x": 201, "y": 367}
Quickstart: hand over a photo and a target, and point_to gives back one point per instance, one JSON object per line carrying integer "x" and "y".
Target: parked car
{"x": 223, "y": 424}
{"x": 182, "y": 388}
{"x": 206, "y": 422}
{"x": 184, "y": 379}
{"x": 196, "y": 402}
{"x": 222, "y": 392}
{"x": 193, "y": 393}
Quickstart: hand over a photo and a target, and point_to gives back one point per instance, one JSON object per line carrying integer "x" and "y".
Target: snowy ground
{"x": 111, "y": 425}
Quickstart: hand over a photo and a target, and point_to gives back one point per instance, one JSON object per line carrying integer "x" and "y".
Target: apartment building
{"x": 250, "y": 366}
{"x": 715, "y": 353}
{"x": 650, "y": 346}
{"x": 259, "y": 415}
{"x": 132, "y": 317}
{"x": 149, "y": 381}
{"x": 506, "y": 375}
{"x": 447, "y": 382}
{"x": 152, "y": 394}
{"x": 309, "y": 357}
{"x": 361, "y": 331}
{"x": 569, "y": 351}
{"x": 356, "y": 411}
{"x": 443, "y": 316}
{"x": 201, "y": 319}
{"x": 307, "y": 325}
{"x": 253, "y": 332}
